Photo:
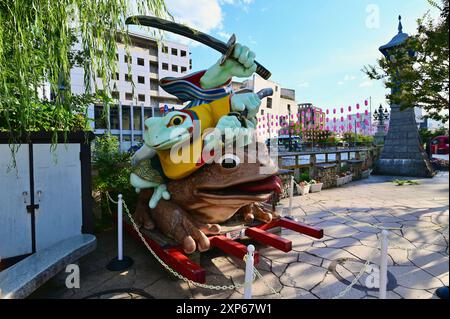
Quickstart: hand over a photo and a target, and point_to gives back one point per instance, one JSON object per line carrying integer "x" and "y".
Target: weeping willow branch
{"x": 41, "y": 41}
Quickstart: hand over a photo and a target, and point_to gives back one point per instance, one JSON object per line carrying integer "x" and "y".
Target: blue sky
{"x": 317, "y": 47}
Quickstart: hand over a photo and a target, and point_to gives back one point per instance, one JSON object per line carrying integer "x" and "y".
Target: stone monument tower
{"x": 403, "y": 153}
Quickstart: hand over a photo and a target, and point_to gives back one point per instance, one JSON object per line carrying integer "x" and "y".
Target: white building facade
{"x": 137, "y": 93}
{"x": 274, "y": 110}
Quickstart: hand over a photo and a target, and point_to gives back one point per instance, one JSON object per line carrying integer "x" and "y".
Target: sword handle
{"x": 262, "y": 71}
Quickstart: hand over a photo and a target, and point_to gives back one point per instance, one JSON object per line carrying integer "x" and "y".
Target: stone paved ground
{"x": 350, "y": 216}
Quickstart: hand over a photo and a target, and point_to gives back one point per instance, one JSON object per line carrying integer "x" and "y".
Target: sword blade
{"x": 190, "y": 33}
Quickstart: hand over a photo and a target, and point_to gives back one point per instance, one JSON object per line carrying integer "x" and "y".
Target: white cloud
{"x": 340, "y": 83}
{"x": 349, "y": 77}
{"x": 367, "y": 83}
{"x": 224, "y": 35}
{"x": 204, "y": 15}
{"x": 243, "y": 4}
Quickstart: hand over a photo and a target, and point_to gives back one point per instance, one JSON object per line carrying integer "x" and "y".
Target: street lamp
{"x": 290, "y": 134}
{"x": 381, "y": 116}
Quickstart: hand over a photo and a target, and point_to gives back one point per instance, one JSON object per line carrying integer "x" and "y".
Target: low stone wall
{"x": 285, "y": 176}
{"x": 326, "y": 174}
{"x": 355, "y": 167}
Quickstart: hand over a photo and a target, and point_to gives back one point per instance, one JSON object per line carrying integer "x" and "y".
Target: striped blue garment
{"x": 185, "y": 90}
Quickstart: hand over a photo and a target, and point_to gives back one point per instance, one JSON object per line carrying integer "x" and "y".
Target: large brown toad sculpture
{"x": 235, "y": 183}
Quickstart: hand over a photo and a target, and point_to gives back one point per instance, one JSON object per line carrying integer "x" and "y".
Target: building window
{"x": 269, "y": 102}
{"x": 140, "y": 61}
{"x": 165, "y": 49}
{"x": 138, "y": 138}
{"x": 174, "y": 51}
{"x": 128, "y": 77}
{"x": 126, "y": 138}
{"x": 125, "y": 59}
{"x": 276, "y": 88}
{"x": 154, "y": 85}
{"x": 114, "y": 117}
{"x": 126, "y": 118}
{"x": 128, "y": 96}
{"x": 147, "y": 112}
{"x": 262, "y": 112}
{"x": 141, "y": 79}
{"x": 141, "y": 97}
{"x": 117, "y": 56}
{"x": 116, "y": 76}
{"x": 153, "y": 68}
{"x": 99, "y": 117}
{"x": 183, "y": 69}
{"x": 183, "y": 53}
{"x": 165, "y": 66}
{"x": 137, "y": 120}
{"x": 174, "y": 68}
{"x": 115, "y": 95}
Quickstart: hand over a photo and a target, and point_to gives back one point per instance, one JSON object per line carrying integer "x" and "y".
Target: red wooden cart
{"x": 172, "y": 254}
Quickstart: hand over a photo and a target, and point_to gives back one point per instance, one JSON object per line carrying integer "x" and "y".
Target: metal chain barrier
{"x": 256, "y": 273}
{"x": 358, "y": 276}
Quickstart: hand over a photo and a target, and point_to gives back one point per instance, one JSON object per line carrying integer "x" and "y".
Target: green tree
{"x": 420, "y": 79}
{"x": 37, "y": 41}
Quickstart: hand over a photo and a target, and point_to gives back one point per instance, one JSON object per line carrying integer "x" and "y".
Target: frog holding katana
{"x": 211, "y": 102}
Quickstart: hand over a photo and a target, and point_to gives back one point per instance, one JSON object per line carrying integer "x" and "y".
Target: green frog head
{"x": 161, "y": 133}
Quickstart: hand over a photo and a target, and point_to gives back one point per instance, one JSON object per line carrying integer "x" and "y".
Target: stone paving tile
{"x": 296, "y": 293}
{"x": 168, "y": 288}
{"x": 331, "y": 287}
{"x": 342, "y": 242}
{"x": 414, "y": 278}
{"x": 302, "y": 275}
{"x": 305, "y": 257}
{"x": 433, "y": 263}
{"x": 330, "y": 253}
{"x": 260, "y": 288}
{"x": 407, "y": 293}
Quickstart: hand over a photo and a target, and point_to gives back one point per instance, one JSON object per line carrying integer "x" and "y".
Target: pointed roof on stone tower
{"x": 397, "y": 40}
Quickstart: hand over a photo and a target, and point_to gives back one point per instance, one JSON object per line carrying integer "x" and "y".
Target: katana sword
{"x": 225, "y": 48}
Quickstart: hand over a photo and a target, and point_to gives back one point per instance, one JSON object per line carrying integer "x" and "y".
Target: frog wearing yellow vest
{"x": 185, "y": 140}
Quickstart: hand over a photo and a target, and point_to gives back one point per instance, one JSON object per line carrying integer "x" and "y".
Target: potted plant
{"x": 365, "y": 171}
{"x": 349, "y": 177}
{"x": 315, "y": 186}
{"x": 303, "y": 188}
{"x": 340, "y": 179}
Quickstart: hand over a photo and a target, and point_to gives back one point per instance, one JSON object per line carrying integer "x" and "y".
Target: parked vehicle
{"x": 283, "y": 142}
{"x": 439, "y": 145}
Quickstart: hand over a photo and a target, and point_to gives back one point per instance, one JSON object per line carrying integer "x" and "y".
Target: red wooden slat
{"x": 301, "y": 228}
{"x": 269, "y": 239}
{"x": 232, "y": 247}
{"x": 172, "y": 257}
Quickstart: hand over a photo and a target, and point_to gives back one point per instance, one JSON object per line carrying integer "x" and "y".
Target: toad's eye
{"x": 229, "y": 161}
{"x": 176, "y": 120}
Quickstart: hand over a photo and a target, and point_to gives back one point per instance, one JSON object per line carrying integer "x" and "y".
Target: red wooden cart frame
{"x": 177, "y": 259}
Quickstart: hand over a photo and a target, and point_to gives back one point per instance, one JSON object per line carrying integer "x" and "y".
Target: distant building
{"x": 274, "y": 111}
{"x": 149, "y": 63}
{"x": 311, "y": 116}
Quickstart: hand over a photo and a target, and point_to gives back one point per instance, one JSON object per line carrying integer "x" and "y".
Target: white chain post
{"x": 383, "y": 264}
{"x": 119, "y": 228}
{"x": 291, "y": 195}
{"x": 249, "y": 272}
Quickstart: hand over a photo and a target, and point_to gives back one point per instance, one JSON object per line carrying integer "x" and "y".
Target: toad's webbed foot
{"x": 174, "y": 222}
{"x": 256, "y": 211}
